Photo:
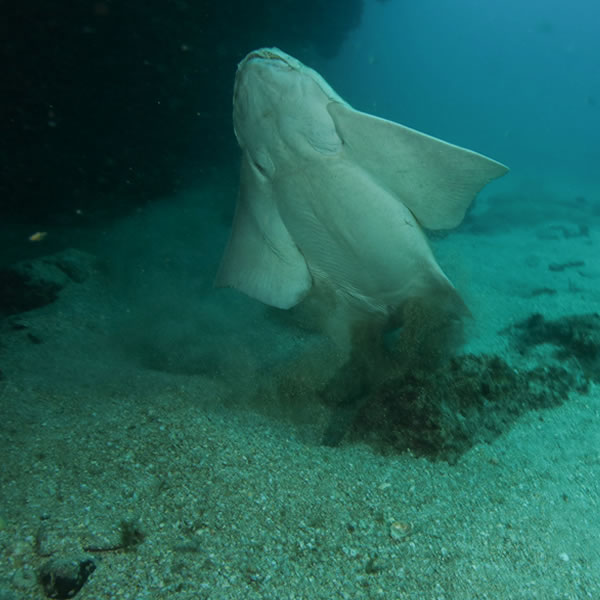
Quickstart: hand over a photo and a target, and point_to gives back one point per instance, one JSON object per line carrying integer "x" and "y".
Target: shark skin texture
{"x": 333, "y": 201}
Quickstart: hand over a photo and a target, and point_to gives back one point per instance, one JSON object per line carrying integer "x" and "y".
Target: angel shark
{"x": 331, "y": 197}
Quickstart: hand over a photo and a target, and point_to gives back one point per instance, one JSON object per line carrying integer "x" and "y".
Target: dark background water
{"x": 106, "y": 105}
{"x": 519, "y": 81}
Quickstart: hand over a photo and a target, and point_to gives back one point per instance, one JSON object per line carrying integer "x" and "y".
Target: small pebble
{"x": 399, "y": 530}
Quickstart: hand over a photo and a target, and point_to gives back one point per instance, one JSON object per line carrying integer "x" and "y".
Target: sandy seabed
{"x": 143, "y": 428}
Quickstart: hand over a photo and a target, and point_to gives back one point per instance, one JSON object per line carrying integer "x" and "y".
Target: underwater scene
{"x": 300, "y": 300}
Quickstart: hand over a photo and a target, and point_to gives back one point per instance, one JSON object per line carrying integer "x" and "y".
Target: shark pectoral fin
{"x": 437, "y": 181}
{"x": 261, "y": 258}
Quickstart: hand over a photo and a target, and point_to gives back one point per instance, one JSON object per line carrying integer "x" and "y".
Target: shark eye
{"x": 260, "y": 168}
{"x": 262, "y": 162}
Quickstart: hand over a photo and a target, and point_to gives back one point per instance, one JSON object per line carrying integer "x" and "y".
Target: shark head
{"x": 278, "y": 103}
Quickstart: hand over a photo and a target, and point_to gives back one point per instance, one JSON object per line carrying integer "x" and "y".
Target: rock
{"x": 32, "y": 284}
{"x": 64, "y": 577}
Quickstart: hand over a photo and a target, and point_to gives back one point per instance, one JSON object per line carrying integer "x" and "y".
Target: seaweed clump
{"x": 470, "y": 399}
{"x": 413, "y": 399}
{"x": 574, "y": 337}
